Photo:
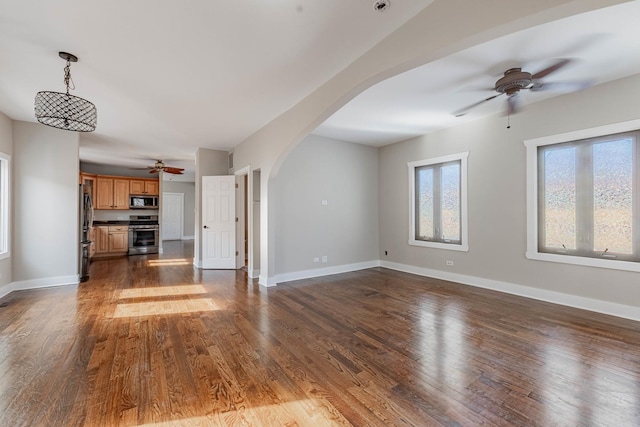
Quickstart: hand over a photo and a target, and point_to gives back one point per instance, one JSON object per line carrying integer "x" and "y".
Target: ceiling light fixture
{"x": 381, "y": 5}
{"x": 65, "y": 111}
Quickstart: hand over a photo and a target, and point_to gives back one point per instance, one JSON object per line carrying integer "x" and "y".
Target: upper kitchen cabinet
{"x": 112, "y": 193}
{"x": 149, "y": 187}
{"x": 89, "y": 180}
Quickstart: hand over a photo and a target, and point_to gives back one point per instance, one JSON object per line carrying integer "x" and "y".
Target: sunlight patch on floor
{"x": 303, "y": 412}
{"x": 163, "y": 308}
{"x": 161, "y": 291}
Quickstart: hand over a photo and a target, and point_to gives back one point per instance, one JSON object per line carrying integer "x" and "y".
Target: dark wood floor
{"x": 149, "y": 340}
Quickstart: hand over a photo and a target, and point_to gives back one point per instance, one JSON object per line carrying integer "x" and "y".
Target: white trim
{"x": 188, "y": 237}
{"x": 532, "y": 196}
{"x": 598, "y": 306}
{"x": 464, "y": 223}
{"x": 318, "y": 272}
{"x": 253, "y": 274}
{"x": 5, "y": 201}
{"x": 267, "y": 282}
{"x": 46, "y": 282}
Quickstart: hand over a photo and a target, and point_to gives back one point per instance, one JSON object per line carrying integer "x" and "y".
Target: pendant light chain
{"x": 68, "y": 81}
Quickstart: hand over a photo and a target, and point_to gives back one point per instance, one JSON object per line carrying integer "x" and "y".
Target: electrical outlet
{"x": 316, "y": 260}
{"x": 325, "y": 259}
{"x": 450, "y": 263}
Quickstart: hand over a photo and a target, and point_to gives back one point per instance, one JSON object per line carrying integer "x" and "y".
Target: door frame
{"x": 249, "y": 217}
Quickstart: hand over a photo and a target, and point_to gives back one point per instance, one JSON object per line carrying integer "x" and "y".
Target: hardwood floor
{"x": 149, "y": 340}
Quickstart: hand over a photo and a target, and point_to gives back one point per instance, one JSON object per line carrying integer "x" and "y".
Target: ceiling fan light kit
{"x": 159, "y": 166}
{"x": 63, "y": 110}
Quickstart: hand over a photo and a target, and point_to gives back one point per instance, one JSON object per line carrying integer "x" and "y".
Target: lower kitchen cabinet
{"x": 111, "y": 240}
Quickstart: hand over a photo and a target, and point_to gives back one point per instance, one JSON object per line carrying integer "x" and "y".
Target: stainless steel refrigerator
{"x": 86, "y": 222}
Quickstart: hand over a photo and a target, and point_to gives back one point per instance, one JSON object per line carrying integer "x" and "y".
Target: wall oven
{"x": 144, "y": 231}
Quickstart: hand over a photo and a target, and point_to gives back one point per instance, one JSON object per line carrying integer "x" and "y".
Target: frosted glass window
{"x": 438, "y": 205}
{"x": 588, "y": 198}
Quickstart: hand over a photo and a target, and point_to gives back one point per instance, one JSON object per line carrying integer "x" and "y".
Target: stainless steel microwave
{"x": 143, "y": 202}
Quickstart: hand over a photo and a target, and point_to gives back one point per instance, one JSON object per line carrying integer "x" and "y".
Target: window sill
{"x": 438, "y": 245}
{"x": 589, "y": 262}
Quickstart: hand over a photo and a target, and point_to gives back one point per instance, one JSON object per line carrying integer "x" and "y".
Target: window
{"x": 586, "y": 198}
{"x": 438, "y": 189}
{"x": 4, "y": 205}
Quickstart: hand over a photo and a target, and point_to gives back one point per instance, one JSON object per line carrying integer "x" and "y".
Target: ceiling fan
{"x": 514, "y": 80}
{"x": 160, "y": 166}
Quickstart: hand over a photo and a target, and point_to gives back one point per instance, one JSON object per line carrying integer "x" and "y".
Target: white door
{"x": 218, "y": 222}
{"x": 172, "y": 215}
{"x": 241, "y": 255}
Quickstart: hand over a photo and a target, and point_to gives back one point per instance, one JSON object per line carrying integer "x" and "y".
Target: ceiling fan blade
{"x": 175, "y": 171}
{"x": 154, "y": 170}
{"x": 555, "y": 67}
{"x": 561, "y": 86}
{"x": 465, "y": 110}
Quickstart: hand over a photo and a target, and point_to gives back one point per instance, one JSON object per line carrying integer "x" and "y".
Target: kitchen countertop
{"x": 111, "y": 222}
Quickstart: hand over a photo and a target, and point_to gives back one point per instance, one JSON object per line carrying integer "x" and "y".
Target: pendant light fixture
{"x": 65, "y": 111}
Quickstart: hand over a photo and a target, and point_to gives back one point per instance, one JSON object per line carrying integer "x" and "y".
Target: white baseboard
{"x": 46, "y": 282}
{"x": 598, "y": 306}
{"x": 253, "y": 274}
{"x": 318, "y": 272}
{"x": 267, "y": 282}
{"x": 188, "y": 237}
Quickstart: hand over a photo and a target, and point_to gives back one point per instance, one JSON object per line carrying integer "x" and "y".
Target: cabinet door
{"x": 102, "y": 239}
{"x": 120, "y": 193}
{"x": 136, "y": 186}
{"x": 104, "y": 193}
{"x": 89, "y": 180}
{"x": 118, "y": 241}
{"x": 152, "y": 187}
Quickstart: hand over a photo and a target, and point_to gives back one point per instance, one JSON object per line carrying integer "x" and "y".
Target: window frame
{"x": 534, "y": 203}
{"x": 5, "y": 205}
{"x": 463, "y": 245}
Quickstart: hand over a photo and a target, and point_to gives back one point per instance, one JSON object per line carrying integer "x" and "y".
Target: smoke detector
{"x": 381, "y": 5}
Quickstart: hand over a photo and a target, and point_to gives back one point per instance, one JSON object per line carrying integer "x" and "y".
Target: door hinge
{"x": 237, "y": 219}
{"x": 237, "y": 253}
{"x": 236, "y": 185}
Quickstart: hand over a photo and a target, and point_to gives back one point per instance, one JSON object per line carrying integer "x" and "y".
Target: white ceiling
{"x": 604, "y": 45}
{"x": 168, "y": 77}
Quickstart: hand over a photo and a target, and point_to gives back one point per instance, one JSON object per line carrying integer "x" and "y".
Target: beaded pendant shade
{"x": 63, "y": 110}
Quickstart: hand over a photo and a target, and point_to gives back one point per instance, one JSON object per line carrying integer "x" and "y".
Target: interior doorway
{"x": 172, "y": 216}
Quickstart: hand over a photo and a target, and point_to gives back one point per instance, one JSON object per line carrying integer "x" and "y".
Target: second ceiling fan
{"x": 514, "y": 80}
{"x": 160, "y": 166}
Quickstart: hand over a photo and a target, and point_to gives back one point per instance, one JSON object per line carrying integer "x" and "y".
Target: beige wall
{"x": 439, "y": 30}
{"x": 45, "y": 226}
{"x": 497, "y": 205}
{"x": 345, "y": 230}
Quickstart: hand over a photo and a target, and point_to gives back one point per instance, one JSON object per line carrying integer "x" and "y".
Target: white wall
{"x": 346, "y": 228}
{"x": 6, "y": 146}
{"x": 45, "y": 225}
{"x": 497, "y": 205}
{"x": 189, "y": 191}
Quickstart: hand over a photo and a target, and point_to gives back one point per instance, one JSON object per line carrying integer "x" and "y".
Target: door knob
{"x": 206, "y": 226}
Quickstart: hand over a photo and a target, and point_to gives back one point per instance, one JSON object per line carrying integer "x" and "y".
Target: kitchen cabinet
{"x": 89, "y": 180}
{"x": 101, "y": 241}
{"x": 112, "y": 193}
{"x": 111, "y": 240}
{"x": 149, "y": 187}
